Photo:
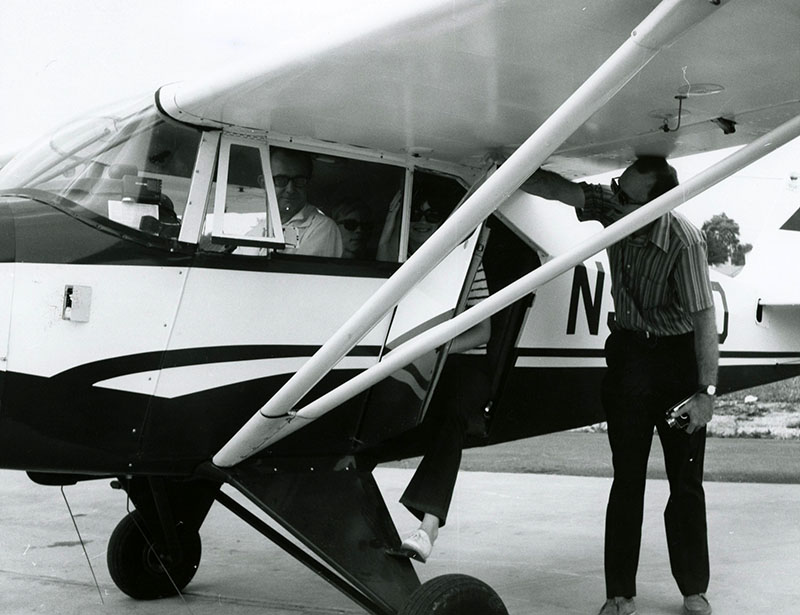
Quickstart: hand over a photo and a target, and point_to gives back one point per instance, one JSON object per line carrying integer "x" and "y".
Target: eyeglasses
{"x": 430, "y": 215}
{"x": 621, "y": 195}
{"x": 351, "y": 225}
{"x": 281, "y": 181}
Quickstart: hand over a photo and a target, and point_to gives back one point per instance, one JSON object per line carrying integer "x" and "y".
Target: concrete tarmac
{"x": 536, "y": 539}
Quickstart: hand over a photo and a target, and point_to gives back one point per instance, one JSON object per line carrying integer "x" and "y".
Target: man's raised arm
{"x": 549, "y": 185}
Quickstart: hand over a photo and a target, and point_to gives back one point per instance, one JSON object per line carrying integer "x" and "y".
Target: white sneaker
{"x": 418, "y": 545}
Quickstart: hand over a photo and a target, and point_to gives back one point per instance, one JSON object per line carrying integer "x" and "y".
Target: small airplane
{"x": 147, "y": 336}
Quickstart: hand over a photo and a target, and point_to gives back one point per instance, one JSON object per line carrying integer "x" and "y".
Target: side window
{"x": 133, "y": 168}
{"x": 297, "y": 202}
{"x": 357, "y": 196}
{"x": 142, "y": 180}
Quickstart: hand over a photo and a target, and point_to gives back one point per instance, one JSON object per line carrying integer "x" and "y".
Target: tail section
{"x": 772, "y": 265}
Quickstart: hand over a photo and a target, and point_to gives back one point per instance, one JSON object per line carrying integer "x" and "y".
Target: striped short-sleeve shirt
{"x": 478, "y": 291}
{"x": 658, "y": 279}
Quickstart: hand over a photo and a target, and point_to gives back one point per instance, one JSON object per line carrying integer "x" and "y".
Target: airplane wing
{"x": 451, "y": 80}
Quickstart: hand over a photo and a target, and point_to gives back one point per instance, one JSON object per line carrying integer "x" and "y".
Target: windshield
{"x": 125, "y": 163}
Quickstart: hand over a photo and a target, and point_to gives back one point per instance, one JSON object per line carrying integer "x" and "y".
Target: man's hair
{"x": 666, "y": 176}
{"x": 294, "y": 154}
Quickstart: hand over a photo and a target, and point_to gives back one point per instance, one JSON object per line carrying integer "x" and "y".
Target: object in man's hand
{"x": 682, "y": 420}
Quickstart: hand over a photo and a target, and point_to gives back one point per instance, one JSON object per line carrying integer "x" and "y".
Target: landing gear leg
{"x": 155, "y": 550}
{"x": 143, "y": 570}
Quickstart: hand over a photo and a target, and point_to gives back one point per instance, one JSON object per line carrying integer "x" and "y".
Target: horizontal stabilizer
{"x": 789, "y": 298}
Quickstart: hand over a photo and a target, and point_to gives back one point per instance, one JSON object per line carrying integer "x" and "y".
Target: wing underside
{"x": 454, "y": 80}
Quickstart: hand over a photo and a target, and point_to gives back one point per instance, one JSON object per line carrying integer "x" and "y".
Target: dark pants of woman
{"x": 644, "y": 378}
{"x": 463, "y": 388}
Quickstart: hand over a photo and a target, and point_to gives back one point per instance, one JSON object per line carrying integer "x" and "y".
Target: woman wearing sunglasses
{"x": 425, "y": 219}
{"x": 354, "y": 226}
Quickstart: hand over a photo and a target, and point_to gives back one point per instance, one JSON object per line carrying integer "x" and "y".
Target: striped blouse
{"x": 657, "y": 279}
{"x": 477, "y": 293}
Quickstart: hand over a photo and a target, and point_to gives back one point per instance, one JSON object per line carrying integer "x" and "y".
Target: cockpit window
{"x": 125, "y": 163}
{"x": 293, "y": 202}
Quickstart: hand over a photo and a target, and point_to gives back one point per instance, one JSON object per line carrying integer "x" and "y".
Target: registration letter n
{"x": 591, "y": 305}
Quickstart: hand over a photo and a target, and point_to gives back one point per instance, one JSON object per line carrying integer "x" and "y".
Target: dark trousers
{"x": 644, "y": 378}
{"x": 463, "y": 388}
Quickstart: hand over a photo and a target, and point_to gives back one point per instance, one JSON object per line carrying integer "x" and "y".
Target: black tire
{"x": 142, "y": 573}
{"x": 454, "y": 594}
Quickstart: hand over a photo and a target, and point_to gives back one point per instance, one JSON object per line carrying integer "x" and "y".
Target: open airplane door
{"x": 399, "y": 402}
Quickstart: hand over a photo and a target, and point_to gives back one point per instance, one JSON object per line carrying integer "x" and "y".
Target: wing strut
{"x": 662, "y": 26}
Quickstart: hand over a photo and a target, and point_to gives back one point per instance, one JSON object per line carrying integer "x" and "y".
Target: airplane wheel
{"x": 142, "y": 573}
{"x": 453, "y": 594}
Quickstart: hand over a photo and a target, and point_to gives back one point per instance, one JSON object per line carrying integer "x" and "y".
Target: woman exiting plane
{"x": 462, "y": 391}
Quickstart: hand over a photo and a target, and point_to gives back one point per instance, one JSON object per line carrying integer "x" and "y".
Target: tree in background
{"x": 722, "y": 237}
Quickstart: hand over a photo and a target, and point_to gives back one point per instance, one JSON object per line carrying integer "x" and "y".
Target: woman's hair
{"x": 441, "y": 193}
{"x": 345, "y": 207}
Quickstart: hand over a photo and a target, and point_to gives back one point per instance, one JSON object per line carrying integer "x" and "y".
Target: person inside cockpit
{"x": 352, "y": 217}
{"x": 306, "y": 230}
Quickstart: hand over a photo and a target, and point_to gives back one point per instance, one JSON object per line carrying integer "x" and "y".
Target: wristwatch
{"x": 708, "y": 389}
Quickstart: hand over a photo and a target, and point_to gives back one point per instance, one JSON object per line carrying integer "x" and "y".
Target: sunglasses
{"x": 351, "y": 225}
{"x": 620, "y": 194}
{"x": 281, "y": 181}
{"x": 430, "y": 215}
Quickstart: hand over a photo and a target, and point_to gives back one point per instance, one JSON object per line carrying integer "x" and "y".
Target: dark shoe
{"x": 618, "y": 606}
{"x": 696, "y": 604}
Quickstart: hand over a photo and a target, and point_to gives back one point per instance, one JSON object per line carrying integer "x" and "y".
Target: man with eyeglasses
{"x": 306, "y": 230}
{"x": 663, "y": 348}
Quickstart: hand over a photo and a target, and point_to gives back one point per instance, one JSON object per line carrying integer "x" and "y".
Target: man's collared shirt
{"x": 657, "y": 279}
{"x": 309, "y": 232}
{"x": 312, "y": 233}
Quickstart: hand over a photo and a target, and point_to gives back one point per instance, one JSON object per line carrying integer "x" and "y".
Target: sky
{"x": 62, "y": 58}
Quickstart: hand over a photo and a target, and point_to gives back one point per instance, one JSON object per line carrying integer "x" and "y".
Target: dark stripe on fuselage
{"x": 739, "y": 354}
{"x": 593, "y": 353}
{"x": 104, "y": 369}
{"x": 587, "y": 353}
{"x": 69, "y": 426}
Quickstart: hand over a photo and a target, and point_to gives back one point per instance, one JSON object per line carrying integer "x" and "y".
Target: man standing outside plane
{"x": 663, "y": 348}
